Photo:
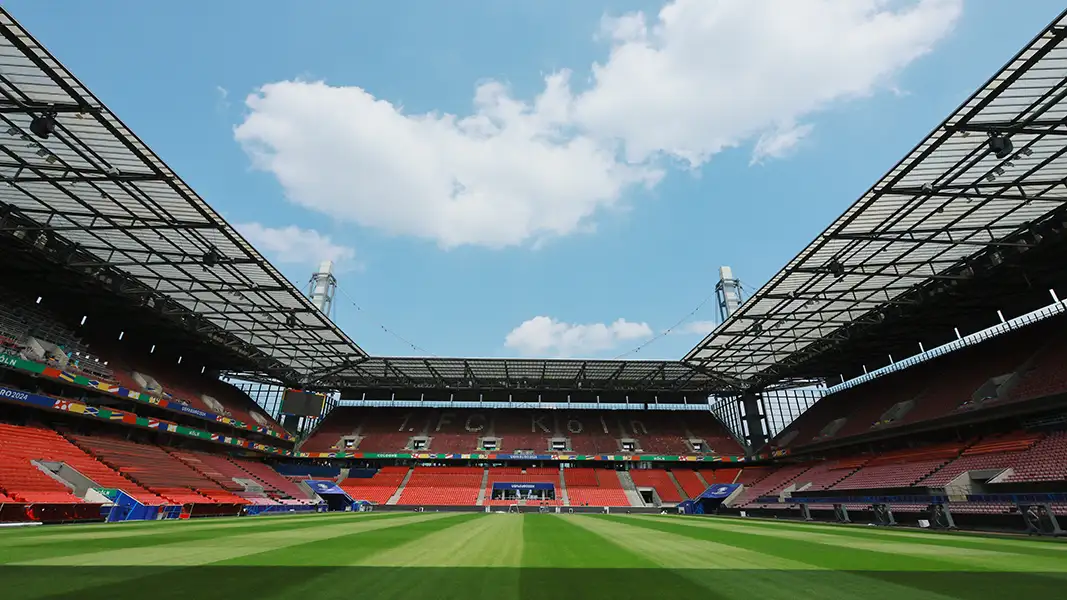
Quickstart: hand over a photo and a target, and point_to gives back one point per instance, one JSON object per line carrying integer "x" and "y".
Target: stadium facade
{"x": 906, "y": 366}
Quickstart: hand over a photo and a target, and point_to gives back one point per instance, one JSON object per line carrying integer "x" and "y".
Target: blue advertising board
{"x": 718, "y": 491}
{"x": 503, "y": 485}
{"x": 324, "y": 487}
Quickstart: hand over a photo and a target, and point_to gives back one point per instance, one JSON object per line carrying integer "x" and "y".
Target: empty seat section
{"x": 458, "y": 486}
{"x": 899, "y": 469}
{"x": 522, "y": 475}
{"x": 825, "y": 475}
{"x": 690, "y": 482}
{"x": 19, "y": 445}
{"x": 992, "y": 453}
{"x": 1045, "y": 461}
{"x": 594, "y": 487}
{"x": 771, "y": 484}
{"x": 727, "y": 475}
{"x": 274, "y": 483}
{"x": 524, "y": 430}
{"x": 389, "y": 430}
{"x": 217, "y": 468}
{"x": 155, "y": 469}
{"x": 340, "y": 422}
{"x": 377, "y": 488}
{"x": 659, "y": 480}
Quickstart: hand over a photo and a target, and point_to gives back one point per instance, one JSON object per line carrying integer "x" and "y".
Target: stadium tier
{"x": 390, "y": 430}
{"x": 29, "y": 335}
{"x": 1009, "y": 372}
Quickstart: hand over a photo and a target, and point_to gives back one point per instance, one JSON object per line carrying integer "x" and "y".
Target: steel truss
{"x": 93, "y": 197}
{"x": 950, "y": 209}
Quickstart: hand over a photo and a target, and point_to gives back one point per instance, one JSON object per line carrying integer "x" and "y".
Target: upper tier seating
{"x": 443, "y": 485}
{"x": 19, "y": 445}
{"x": 594, "y": 487}
{"x": 1024, "y": 364}
{"x": 388, "y": 430}
{"x": 659, "y": 480}
{"x": 377, "y": 489}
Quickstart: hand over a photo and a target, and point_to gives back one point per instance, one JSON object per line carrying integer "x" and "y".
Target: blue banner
{"x": 501, "y": 485}
{"x": 324, "y": 487}
{"x": 719, "y": 490}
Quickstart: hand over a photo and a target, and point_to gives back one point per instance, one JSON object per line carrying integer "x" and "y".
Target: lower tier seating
{"x": 378, "y": 488}
{"x": 594, "y": 487}
{"x": 659, "y": 480}
{"x": 458, "y": 486}
{"x": 690, "y": 482}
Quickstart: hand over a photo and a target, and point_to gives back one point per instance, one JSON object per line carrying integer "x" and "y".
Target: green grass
{"x": 503, "y": 557}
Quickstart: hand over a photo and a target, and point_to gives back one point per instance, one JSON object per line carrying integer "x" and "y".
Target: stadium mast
{"x": 321, "y": 288}
{"x": 728, "y": 291}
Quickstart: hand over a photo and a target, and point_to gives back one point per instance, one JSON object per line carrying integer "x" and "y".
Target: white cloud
{"x": 700, "y": 77}
{"x": 696, "y": 327}
{"x": 223, "y": 102}
{"x": 779, "y": 143}
{"x": 294, "y": 245}
{"x": 545, "y": 336}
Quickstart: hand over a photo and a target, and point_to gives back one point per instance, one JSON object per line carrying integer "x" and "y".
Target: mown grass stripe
{"x": 964, "y": 558}
{"x": 1041, "y": 547}
{"x": 881, "y": 566}
{"x": 28, "y": 550}
{"x": 351, "y": 545}
{"x": 207, "y": 549}
{"x": 486, "y": 541}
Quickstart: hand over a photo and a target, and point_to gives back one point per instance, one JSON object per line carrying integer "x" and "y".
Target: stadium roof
{"x": 985, "y": 183}
{"x": 530, "y": 374}
{"x": 92, "y": 189}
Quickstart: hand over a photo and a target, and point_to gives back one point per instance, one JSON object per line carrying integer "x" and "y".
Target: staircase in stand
{"x": 677, "y": 486}
{"x": 632, "y": 495}
{"x": 481, "y": 492}
{"x": 400, "y": 490}
{"x": 563, "y": 489}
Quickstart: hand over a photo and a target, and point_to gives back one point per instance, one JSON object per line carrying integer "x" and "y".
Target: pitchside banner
{"x": 719, "y": 490}
{"x": 324, "y": 487}
{"x": 501, "y": 485}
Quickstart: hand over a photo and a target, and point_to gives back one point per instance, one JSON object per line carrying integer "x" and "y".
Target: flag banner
{"x": 20, "y": 364}
{"x": 112, "y": 414}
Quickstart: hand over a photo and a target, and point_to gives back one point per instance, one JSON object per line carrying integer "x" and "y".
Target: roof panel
{"x": 949, "y": 200}
{"x": 95, "y": 184}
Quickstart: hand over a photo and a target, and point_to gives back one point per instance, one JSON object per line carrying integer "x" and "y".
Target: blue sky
{"x": 617, "y": 155}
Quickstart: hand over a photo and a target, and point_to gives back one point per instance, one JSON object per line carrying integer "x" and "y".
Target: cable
{"x": 413, "y": 346}
{"x": 684, "y": 320}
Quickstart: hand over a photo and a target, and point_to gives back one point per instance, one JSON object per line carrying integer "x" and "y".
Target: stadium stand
{"x": 659, "y": 480}
{"x": 156, "y": 470}
{"x": 378, "y": 488}
{"x": 899, "y": 469}
{"x": 594, "y": 487}
{"x": 521, "y": 475}
{"x": 443, "y": 486}
{"x": 690, "y": 482}
{"x": 771, "y": 483}
{"x": 20, "y": 444}
{"x": 996, "y": 452}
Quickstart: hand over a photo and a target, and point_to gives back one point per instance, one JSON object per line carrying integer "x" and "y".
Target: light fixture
{"x": 43, "y": 125}
{"x": 1000, "y": 145}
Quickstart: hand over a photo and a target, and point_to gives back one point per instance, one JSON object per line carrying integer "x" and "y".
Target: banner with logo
{"x": 557, "y": 457}
{"x": 502, "y": 485}
{"x": 20, "y": 364}
{"x": 113, "y": 414}
{"x": 719, "y": 491}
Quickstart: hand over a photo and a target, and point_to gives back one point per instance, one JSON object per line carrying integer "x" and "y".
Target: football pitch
{"x": 507, "y": 556}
